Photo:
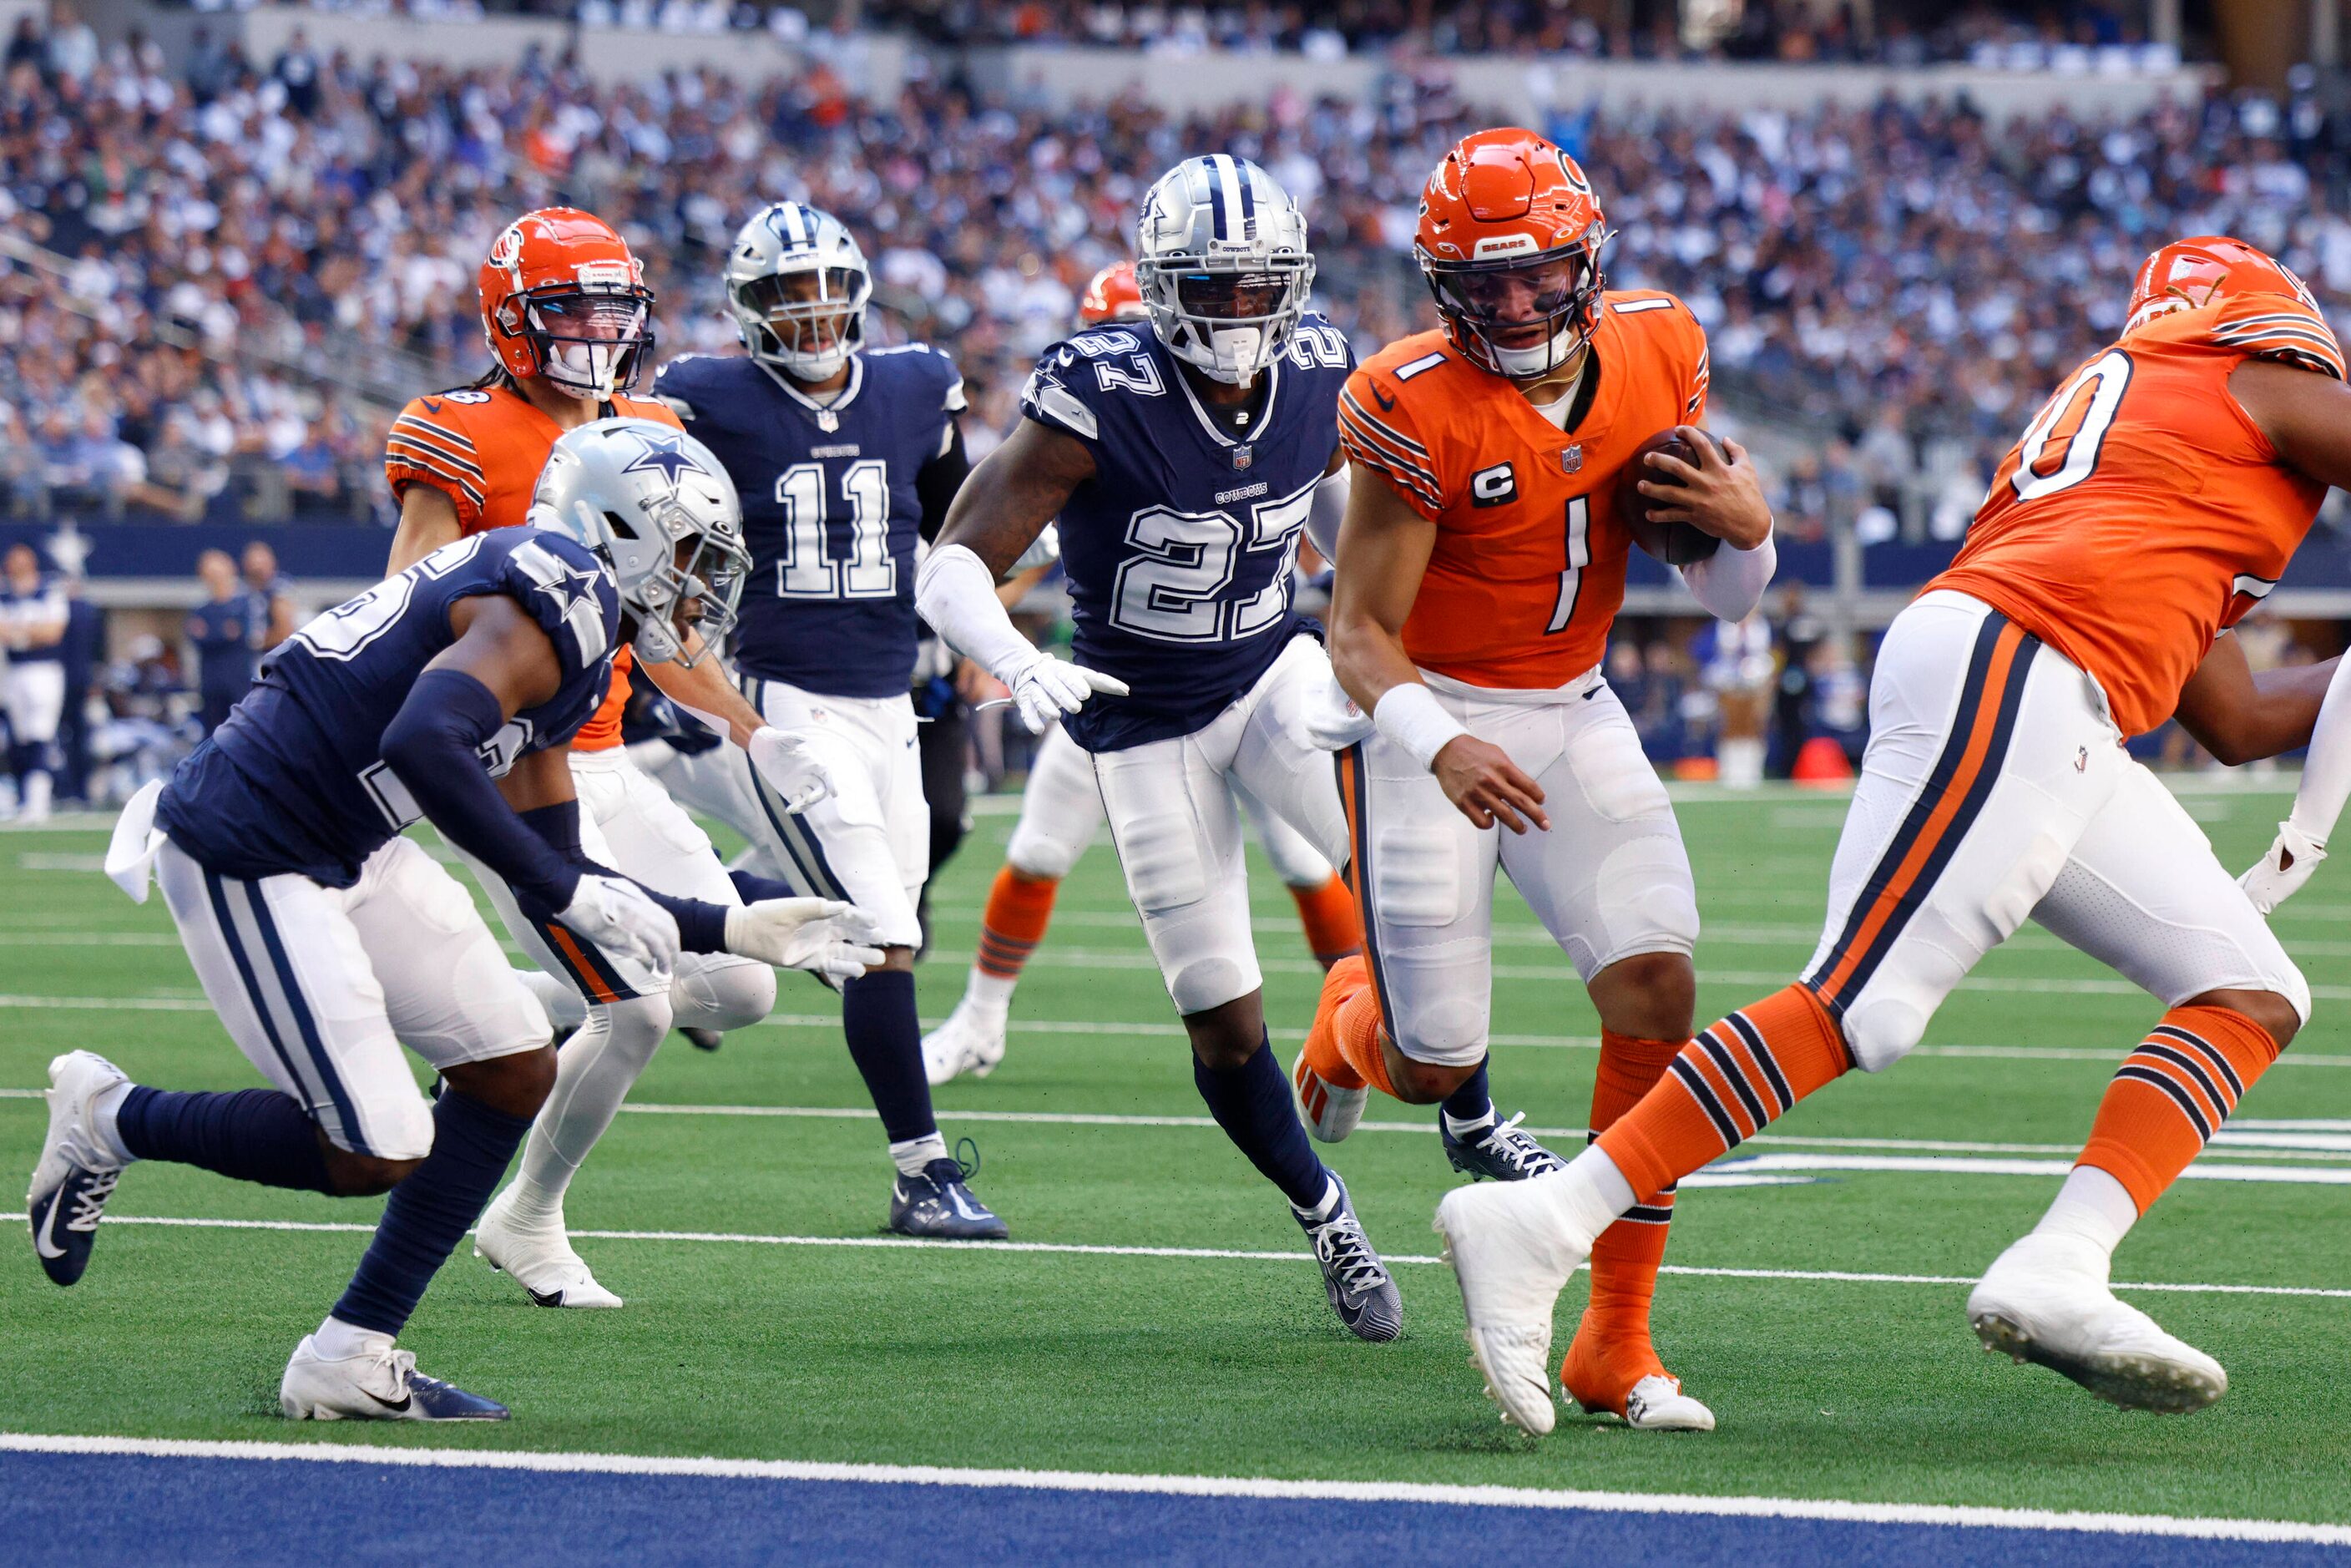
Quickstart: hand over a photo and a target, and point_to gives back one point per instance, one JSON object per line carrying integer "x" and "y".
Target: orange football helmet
{"x": 1114, "y": 295}
{"x": 2193, "y": 272}
{"x": 1509, "y": 241}
{"x": 563, "y": 298}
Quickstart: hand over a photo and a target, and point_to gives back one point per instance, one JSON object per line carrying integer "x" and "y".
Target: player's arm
{"x": 1721, "y": 495}
{"x": 2240, "y": 716}
{"x": 998, "y": 513}
{"x": 45, "y": 633}
{"x": 1384, "y": 546}
{"x": 428, "y": 519}
{"x": 705, "y": 689}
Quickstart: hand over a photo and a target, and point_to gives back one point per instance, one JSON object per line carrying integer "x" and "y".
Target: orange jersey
{"x": 2143, "y": 511}
{"x": 483, "y": 448}
{"x": 1528, "y": 571}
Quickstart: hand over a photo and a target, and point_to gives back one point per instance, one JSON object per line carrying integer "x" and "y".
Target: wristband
{"x": 1410, "y": 715}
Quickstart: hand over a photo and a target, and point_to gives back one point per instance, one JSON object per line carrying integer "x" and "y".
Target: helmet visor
{"x": 590, "y": 341}
{"x": 1524, "y": 300}
{"x": 1236, "y": 296}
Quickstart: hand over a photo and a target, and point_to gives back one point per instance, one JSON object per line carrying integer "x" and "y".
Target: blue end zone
{"x": 85, "y": 1509}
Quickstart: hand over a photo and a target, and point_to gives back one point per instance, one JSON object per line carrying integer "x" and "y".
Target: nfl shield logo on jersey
{"x": 1571, "y": 460}
{"x": 1243, "y": 456}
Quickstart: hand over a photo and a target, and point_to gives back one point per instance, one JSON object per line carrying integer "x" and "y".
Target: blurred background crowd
{"x": 221, "y": 270}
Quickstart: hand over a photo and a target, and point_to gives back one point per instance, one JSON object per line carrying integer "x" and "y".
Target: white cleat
{"x": 971, "y": 1041}
{"x": 1659, "y": 1405}
{"x": 376, "y": 1385}
{"x": 1504, "y": 1242}
{"x": 2046, "y": 1301}
{"x": 1328, "y": 1112}
{"x": 539, "y": 1257}
{"x": 76, "y": 1173}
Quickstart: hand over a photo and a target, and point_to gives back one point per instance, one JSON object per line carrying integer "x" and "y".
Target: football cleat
{"x": 75, "y": 1176}
{"x": 1499, "y": 1152}
{"x": 375, "y": 1385}
{"x": 971, "y": 1041}
{"x": 1354, "y": 1278}
{"x": 704, "y": 1039}
{"x": 538, "y": 1256}
{"x": 938, "y": 1203}
{"x": 2046, "y": 1301}
{"x": 1504, "y": 1245}
{"x": 1328, "y": 1112}
{"x": 1659, "y": 1405}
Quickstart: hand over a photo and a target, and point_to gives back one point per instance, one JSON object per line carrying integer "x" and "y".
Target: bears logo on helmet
{"x": 563, "y": 298}
{"x": 2189, "y": 274}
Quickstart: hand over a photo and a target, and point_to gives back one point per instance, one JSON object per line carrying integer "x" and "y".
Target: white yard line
{"x": 1087, "y": 1482}
{"x": 1212, "y": 1254}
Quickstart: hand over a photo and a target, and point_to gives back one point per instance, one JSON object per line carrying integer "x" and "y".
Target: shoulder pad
{"x": 566, "y": 591}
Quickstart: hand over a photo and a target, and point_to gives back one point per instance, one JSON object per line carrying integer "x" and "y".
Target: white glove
{"x": 1046, "y": 687}
{"x": 824, "y": 937}
{"x": 1334, "y": 720}
{"x": 2283, "y": 867}
{"x": 786, "y": 763}
{"x": 615, "y": 915}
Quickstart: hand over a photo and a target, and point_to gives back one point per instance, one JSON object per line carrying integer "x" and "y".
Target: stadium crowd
{"x": 241, "y": 261}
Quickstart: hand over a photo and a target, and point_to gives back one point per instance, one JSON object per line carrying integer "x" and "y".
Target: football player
{"x": 2154, "y": 498}
{"x": 566, "y": 317}
{"x": 325, "y": 940}
{"x": 1480, "y": 565}
{"x": 1182, "y": 463}
{"x": 32, "y": 636}
{"x": 845, "y": 457}
{"x": 1060, "y": 813}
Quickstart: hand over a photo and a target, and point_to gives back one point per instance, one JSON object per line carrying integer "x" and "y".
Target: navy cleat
{"x": 1498, "y": 1152}
{"x": 1355, "y": 1278}
{"x": 938, "y": 1203}
{"x": 380, "y": 1383}
{"x": 75, "y": 1176}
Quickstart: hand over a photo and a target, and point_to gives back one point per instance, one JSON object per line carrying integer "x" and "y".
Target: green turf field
{"x": 768, "y": 1324}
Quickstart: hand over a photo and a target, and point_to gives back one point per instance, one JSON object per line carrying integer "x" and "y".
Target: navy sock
{"x": 1472, "y": 1100}
{"x": 428, "y": 1214}
{"x": 885, "y": 1041}
{"x": 253, "y": 1135}
{"x": 1252, "y": 1102}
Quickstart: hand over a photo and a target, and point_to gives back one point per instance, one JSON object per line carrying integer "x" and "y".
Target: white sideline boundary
{"x": 1211, "y": 1254}
{"x": 1836, "y": 1511}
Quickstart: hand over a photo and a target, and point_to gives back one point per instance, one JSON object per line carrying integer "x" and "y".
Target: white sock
{"x": 1587, "y": 1196}
{"x": 566, "y": 1007}
{"x": 37, "y": 795}
{"x": 593, "y": 1073}
{"x": 1461, "y": 1129}
{"x": 992, "y": 992}
{"x": 912, "y": 1156}
{"x": 1322, "y": 1210}
{"x": 336, "y": 1340}
{"x": 2093, "y": 1207}
{"x": 102, "y": 1111}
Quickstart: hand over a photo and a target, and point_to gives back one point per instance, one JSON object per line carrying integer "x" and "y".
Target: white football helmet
{"x": 1222, "y": 259}
{"x": 797, "y": 285}
{"x": 637, "y": 493}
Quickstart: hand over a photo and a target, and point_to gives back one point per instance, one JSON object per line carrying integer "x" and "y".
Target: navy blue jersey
{"x": 295, "y": 780}
{"x": 44, "y": 606}
{"x": 1180, "y": 548}
{"x": 829, "y": 510}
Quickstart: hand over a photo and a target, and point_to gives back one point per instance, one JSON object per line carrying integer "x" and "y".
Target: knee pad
{"x": 722, "y": 995}
{"x": 1210, "y": 982}
{"x": 1880, "y": 1030}
{"x": 398, "y": 1129}
{"x": 1445, "y": 1032}
{"x": 1045, "y": 846}
{"x": 639, "y": 1023}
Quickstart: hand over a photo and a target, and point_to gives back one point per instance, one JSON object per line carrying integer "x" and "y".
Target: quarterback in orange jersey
{"x": 2159, "y": 493}
{"x": 1479, "y": 567}
{"x": 567, "y": 315}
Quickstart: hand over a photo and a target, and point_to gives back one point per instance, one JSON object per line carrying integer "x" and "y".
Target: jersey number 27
{"x": 1173, "y": 589}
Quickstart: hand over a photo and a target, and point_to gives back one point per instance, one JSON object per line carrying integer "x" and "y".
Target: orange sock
{"x": 1612, "y": 1350}
{"x": 2171, "y": 1094}
{"x": 1343, "y": 1045}
{"x": 1735, "y": 1079}
{"x": 1328, "y": 913}
{"x": 1013, "y": 922}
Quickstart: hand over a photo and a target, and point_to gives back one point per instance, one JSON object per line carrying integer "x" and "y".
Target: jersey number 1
{"x": 805, "y": 572}
{"x": 1579, "y": 556}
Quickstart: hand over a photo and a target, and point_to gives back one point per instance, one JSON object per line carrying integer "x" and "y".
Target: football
{"x": 1675, "y": 544}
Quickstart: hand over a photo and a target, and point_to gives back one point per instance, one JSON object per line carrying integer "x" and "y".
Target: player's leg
{"x": 1173, "y": 818}
{"x": 943, "y": 741}
{"x": 1987, "y": 757}
{"x": 1060, "y": 812}
{"x": 37, "y": 695}
{"x": 868, "y": 844}
{"x": 1326, "y": 910}
{"x": 2143, "y": 892}
{"x": 1611, "y": 881}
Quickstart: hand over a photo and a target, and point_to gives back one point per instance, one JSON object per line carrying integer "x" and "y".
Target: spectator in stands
{"x": 226, "y": 632}
{"x": 272, "y": 592}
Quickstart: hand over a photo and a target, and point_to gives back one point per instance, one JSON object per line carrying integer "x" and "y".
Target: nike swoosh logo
{"x": 432, "y": 405}
{"x": 396, "y": 1408}
{"x": 1387, "y": 404}
{"x": 42, "y": 1243}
